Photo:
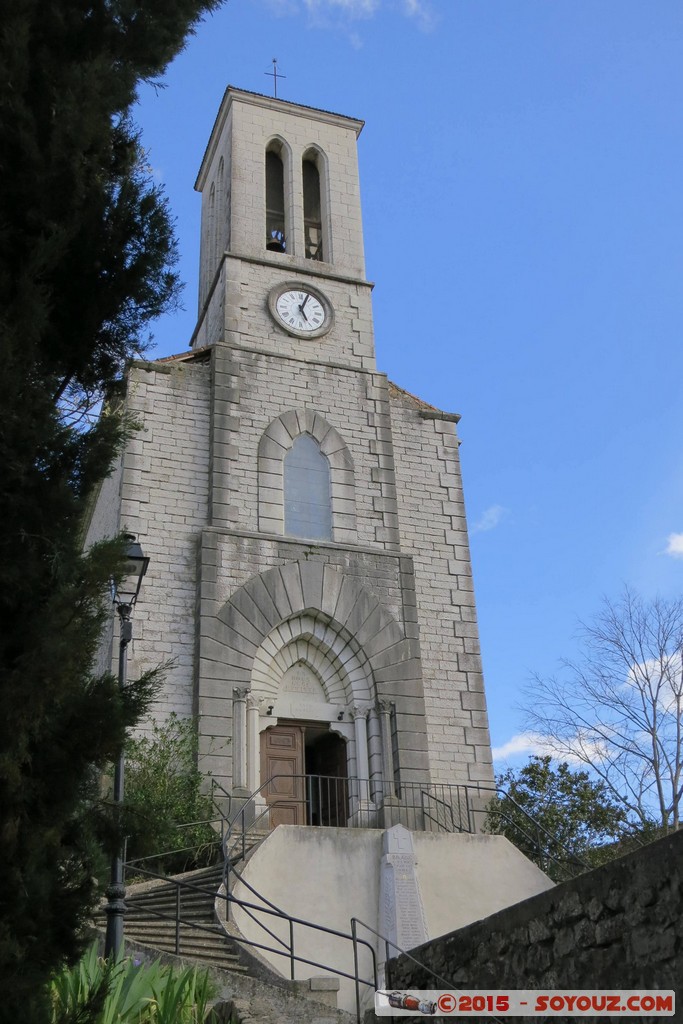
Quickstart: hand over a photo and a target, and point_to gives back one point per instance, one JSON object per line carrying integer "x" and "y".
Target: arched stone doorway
{"x": 311, "y": 673}
{"x": 309, "y": 613}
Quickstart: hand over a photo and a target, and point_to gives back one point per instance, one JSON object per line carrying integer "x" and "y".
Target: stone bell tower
{"x": 310, "y": 564}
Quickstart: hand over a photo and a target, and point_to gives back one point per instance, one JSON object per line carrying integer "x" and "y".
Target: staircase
{"x": 152, "y": 909}
{"x": 152, "y": 920}
{"x": 180, "y": 918}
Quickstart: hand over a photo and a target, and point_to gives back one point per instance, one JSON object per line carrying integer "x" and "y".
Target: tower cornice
{"x": 232, "y": 95}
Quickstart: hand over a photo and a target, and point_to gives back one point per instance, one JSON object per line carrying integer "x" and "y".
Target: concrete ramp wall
{"x": 328, "y": 875}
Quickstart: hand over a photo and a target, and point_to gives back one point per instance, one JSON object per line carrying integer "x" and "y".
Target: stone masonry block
{"x": 473, "y": 701}
{"x": 277, "y": 592}
{"x": 332, "y": 583}
{"x": 364, "y": 604}
{"x": 312, "y": 583}
{"x": 271, "y": 448}
{"x": 247, "y": 603}
{"x": 291, "y": 578}
{"x": 290, "y": 423}
{"x": 387, "y": 637}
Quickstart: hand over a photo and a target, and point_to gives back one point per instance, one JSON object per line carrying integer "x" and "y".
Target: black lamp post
{"x": 124, "y": 594}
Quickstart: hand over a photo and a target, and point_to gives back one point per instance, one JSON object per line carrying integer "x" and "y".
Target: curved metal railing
{"x": 434, "y": 808}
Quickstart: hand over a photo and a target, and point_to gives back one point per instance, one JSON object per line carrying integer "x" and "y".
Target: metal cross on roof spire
{"x": 274, "y": 75}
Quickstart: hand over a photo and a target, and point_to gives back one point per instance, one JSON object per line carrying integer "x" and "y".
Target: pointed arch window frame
{"x": 317, "y": 156}
{"x": 276, "y": 441}
{"x": 282, "y": 150}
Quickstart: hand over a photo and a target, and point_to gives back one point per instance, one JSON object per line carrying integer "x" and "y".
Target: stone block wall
{"x": 433, "y": 530}
{"x": 251, "y": 389}
{"x": 232, "y": 182}
{"x": 164, "y": 500}
{"x": 248, "y": 323}
{"x": 617, "y": 927}
{"x": 257, "y": 120}
{"x": 104, "y": 523}
{"x": 250, "y": 584}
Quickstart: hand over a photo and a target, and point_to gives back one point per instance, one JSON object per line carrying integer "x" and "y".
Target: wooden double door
{"x": 305, "y": 768}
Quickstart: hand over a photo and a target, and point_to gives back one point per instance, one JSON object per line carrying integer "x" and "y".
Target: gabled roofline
{"x": 258, "y": 99}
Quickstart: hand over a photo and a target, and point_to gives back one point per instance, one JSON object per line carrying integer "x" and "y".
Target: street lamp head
{"x": 126, "y": 591}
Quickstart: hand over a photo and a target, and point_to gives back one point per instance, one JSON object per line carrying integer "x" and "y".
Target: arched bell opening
{"x": 276, "y": 218}
{"x": 313, "y": 218}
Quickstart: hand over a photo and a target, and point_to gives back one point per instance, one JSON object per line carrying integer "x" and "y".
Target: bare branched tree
{"x": 618, "y": 708}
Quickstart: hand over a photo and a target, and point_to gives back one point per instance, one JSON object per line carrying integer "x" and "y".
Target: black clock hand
{"x": 301, "y": 307}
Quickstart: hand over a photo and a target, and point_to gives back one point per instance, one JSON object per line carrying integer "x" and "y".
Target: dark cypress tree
{"x": 86, "y": 263}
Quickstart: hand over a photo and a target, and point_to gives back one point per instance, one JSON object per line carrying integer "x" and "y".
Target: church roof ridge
{"x": 260, "y": 97}
{"x": 197, "y": 355}
{"x": 432, "y": 411}
{"x": 183, "y": 356}
{"x": 293, "y": 103}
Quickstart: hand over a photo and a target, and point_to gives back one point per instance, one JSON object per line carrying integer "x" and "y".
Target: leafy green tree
{"x": 86, "y": 262}
{"x": 167, "y": 812}
{"x": 556, "y": 815}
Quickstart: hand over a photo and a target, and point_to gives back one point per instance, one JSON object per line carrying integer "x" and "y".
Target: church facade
{"x": 310, "y": 584}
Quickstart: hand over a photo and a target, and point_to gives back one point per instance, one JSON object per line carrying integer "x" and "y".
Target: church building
{"x": 310, "y": 584}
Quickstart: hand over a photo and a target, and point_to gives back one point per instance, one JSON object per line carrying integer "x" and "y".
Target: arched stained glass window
{"x": 308, "y": 506}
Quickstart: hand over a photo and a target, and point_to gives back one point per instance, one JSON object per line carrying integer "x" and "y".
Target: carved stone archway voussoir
{"x": 323, "y": 592}
{"x": 304, "y": 612}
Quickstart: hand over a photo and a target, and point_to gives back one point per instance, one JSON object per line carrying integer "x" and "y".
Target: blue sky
{"x": 521, "y": 172}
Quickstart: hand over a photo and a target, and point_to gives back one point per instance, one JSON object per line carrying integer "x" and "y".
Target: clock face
{"x": 301, "y": 310}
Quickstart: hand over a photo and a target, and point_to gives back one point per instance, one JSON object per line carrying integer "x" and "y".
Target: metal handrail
{"x": 543, "y": 851}
{"x": 438, "y": 800}
{"x": 276, "y": 912}
{"x": 451, "y": 986}
{"x": 266, "y": 907}
{"x": 220, "y": 817}
{"x": 217, "y": 785}
{"x": 404, "y": 952}
{"x": 547, "y": 847}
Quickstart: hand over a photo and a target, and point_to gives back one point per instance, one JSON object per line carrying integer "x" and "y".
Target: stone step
{"x": 215, "y": 957}
{"x": 167, "y": 926}
{"x": 208, "y": 946}
{"x": 157, "y": 912}
{"x": 194, "y": 885}
{"x": 215, "y": 947}
{"x": 270, "y": 1007}
{"x": 168, "y": 914}
{"x": 233, "y": 845}
{"x": 151, "y": 912}
{"x": 190, "y": 900}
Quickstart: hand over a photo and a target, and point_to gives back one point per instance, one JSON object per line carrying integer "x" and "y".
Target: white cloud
{"x": 674, "y": 546}
{"x": 522, "y": 743}
{"x": 419, "y": 10}
{"x": 353, "y": 8}
{"x": 578, "y": 750}
{"x": 489, "y": 519}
